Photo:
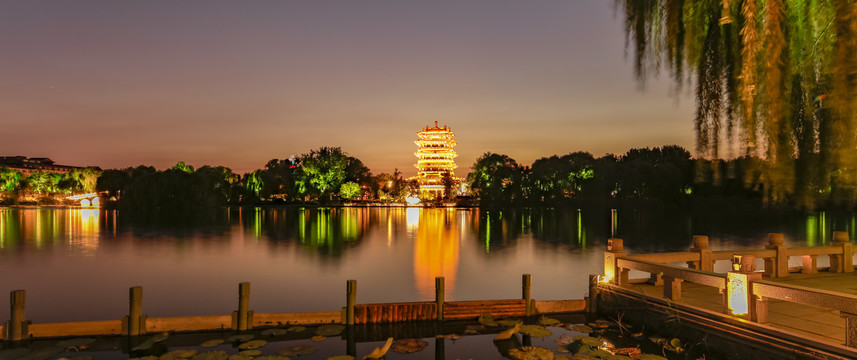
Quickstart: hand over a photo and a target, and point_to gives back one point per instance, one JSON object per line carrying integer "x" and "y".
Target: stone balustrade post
{"x": 850, "y": 328}
{"x": 672, "y": 288}
{"x": 740, "y": 300}
{"x": 615, "y": 251}
{"x": 810, "y": 264}
{"x": 778, "y": 266}
{"x": 700, "y": 245}
{"x": 845, "y": 261}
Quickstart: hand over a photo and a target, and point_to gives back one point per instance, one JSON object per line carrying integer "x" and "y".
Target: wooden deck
{"x": 819, "y": 324}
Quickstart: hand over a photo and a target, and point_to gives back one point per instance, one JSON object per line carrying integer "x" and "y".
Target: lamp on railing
{"x": 738, "y": 284}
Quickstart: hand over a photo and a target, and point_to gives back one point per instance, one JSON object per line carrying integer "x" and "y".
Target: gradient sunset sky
{"x": 236, "y": 83}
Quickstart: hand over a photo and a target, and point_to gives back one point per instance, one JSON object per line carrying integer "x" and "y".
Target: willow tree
{"x": 776, "y": 78}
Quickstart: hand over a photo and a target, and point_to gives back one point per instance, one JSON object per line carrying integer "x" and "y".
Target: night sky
{"x": 236, "y": 83}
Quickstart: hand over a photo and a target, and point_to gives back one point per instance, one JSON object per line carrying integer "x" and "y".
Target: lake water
{"x": 77, "y": 264}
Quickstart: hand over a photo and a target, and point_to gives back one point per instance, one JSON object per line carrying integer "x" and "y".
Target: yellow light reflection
{"x": 435, "y": 250}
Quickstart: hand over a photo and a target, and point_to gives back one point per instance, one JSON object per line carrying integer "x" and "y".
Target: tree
{"x": 776, "y": 75}
{"x": 321, "y": 172}
{"x": 181, "y": 166}
{"x": 350, "y": 190}
{"x": 496, "y": 179}
{"x": 10, "y": 180}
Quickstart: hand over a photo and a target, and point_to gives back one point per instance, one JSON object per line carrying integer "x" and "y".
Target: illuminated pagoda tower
{"x": 434, "y": 158}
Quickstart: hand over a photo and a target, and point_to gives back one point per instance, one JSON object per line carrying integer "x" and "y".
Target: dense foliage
{"x": 41, "y": 185}
{"x": 778, "y": 78}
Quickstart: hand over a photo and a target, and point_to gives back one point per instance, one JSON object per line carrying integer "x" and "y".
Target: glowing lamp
{"x": 737, "y": 285}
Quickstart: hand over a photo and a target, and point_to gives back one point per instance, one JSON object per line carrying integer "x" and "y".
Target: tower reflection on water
{"x": 436, "y": 247}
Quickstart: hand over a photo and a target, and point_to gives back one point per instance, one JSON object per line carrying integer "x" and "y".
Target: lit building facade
{"x": 435, "y": 157}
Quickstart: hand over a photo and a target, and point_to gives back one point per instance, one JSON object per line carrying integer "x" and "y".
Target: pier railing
{"x": 744, "y": 292}
{"x": 137, "y": 323}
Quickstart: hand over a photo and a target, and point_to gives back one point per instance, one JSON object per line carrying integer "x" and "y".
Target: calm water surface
{"x": 77, "y": 264}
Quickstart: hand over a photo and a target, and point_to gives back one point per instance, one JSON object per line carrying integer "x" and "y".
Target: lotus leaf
{"x": 602, "y": 322}
{"x": 627, "y": 351}
{"x": 546, "y": 321}
{"x": 381, "y": 351}
{"x": 318, "y": 338}
{"x": 487, "y": 320}
{"x": 146, "y": 345}
{"x": 150, "y": 357}
{"x": 562, "y": 349}
{"x": 535, "y": 331}
{"x": 273, "y": 357}
{"x": 253, "y": 344}
{"x": 211, "y": 343}
{"x": 296, "y": 329}
{"x": 76, "y": 343}
{"x": 531, "y": 353}
{"x": 250, "y": 352}
{"x": 330, "y": 330}
{"x": 600, "y": 353}
{"x": 240, "y": 357}
{"x": 298, "y": 350}
{"x": 652, "y": 357}
{"x": 637, "y": 335}
{"x": 588, "y": 340}
{"x": 581, "y": 329}
{"x": 341, "y": 357}
{"x": 407, "y": 346}
{"x": 211, "y": 355}
{"x": 509, "y": 322}
{"x": 240, "y": 338}
{"x": 179, "y": 354}
{"x": 470, "y": 332}
{"x": 274, "y": 332}
{"x": 657, "y": 340}
{"x": 564, "y": 340}
{"x": 508, "y": 333}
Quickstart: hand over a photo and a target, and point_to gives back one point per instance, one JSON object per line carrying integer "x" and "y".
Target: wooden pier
{"x": 802, "y": 312}
{"x": 137, "y": 323}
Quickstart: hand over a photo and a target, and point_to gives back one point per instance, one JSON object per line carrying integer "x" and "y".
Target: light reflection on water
{"x": 77, "y": 264}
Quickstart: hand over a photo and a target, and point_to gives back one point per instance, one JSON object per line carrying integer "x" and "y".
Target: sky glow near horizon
{"x": 118, "y": 84}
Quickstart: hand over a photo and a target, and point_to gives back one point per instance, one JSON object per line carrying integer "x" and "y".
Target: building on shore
{"x": 435, "y": 159}
{"x": 28, "y": 166}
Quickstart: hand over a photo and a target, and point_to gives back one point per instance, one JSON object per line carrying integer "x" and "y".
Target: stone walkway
{"x": 813, "y": 322}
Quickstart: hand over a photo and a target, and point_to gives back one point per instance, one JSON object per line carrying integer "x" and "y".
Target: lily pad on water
{"x": 562, "y": 357}
{"x": 211, "y": 355}
{"x": 253, "y": 344}
{"x": 298, "y": 350}
{"x": 273, "y": 357}
{"x": 535, "y": 331}
{"x": 381, "y": 351}
{"x": 240, "y": 357}
{"x": 470, "y": 332}
{"x": 274, "y": 332}
{"x": 588, "y": 340}
{"x": 296, "y": 329}
{"x": 250, "y": 352}
{"x": 531, "y": 353}
{"x": 318, "y": 338}
{"x": 341, "y": 357}
{"x": 330, "y": 330}
{"x": 211, "y": 343}
{"x": 546, "y": 321}
{"x": 603, "y": 354}
{"x": 240, "y": 338}
{"x": 146, "y": 345}
{"x": 75, "y": 343}
{"x": 652, "y": 357}
{"x": 487, "y": 320}
{"x": 81, "y": 357}
{"x": 407, "y": 346}
{"x": 508, "y": 333}
{"x": 564, "y": 340}
{"x": 179, "y": 354}
{"x": 581, "y": 329}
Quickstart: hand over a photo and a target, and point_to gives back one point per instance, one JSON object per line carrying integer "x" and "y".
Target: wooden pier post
{"x": 350, "y": 301}
{"x": 17, "y": 325}
{"x": 526, "y": 284}
{"x": 136, "y": 324}
{"x": 779, "y": 265}
{"x": 439, "y": 296}
{"x": 844, "y": 262}
{"x": 244, "y": 313}
{"x": 592, "y": 299}
{"x": 439, "y": 348}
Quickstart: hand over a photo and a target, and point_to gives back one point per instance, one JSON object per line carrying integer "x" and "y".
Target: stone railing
{"x": 744, "y": 293}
